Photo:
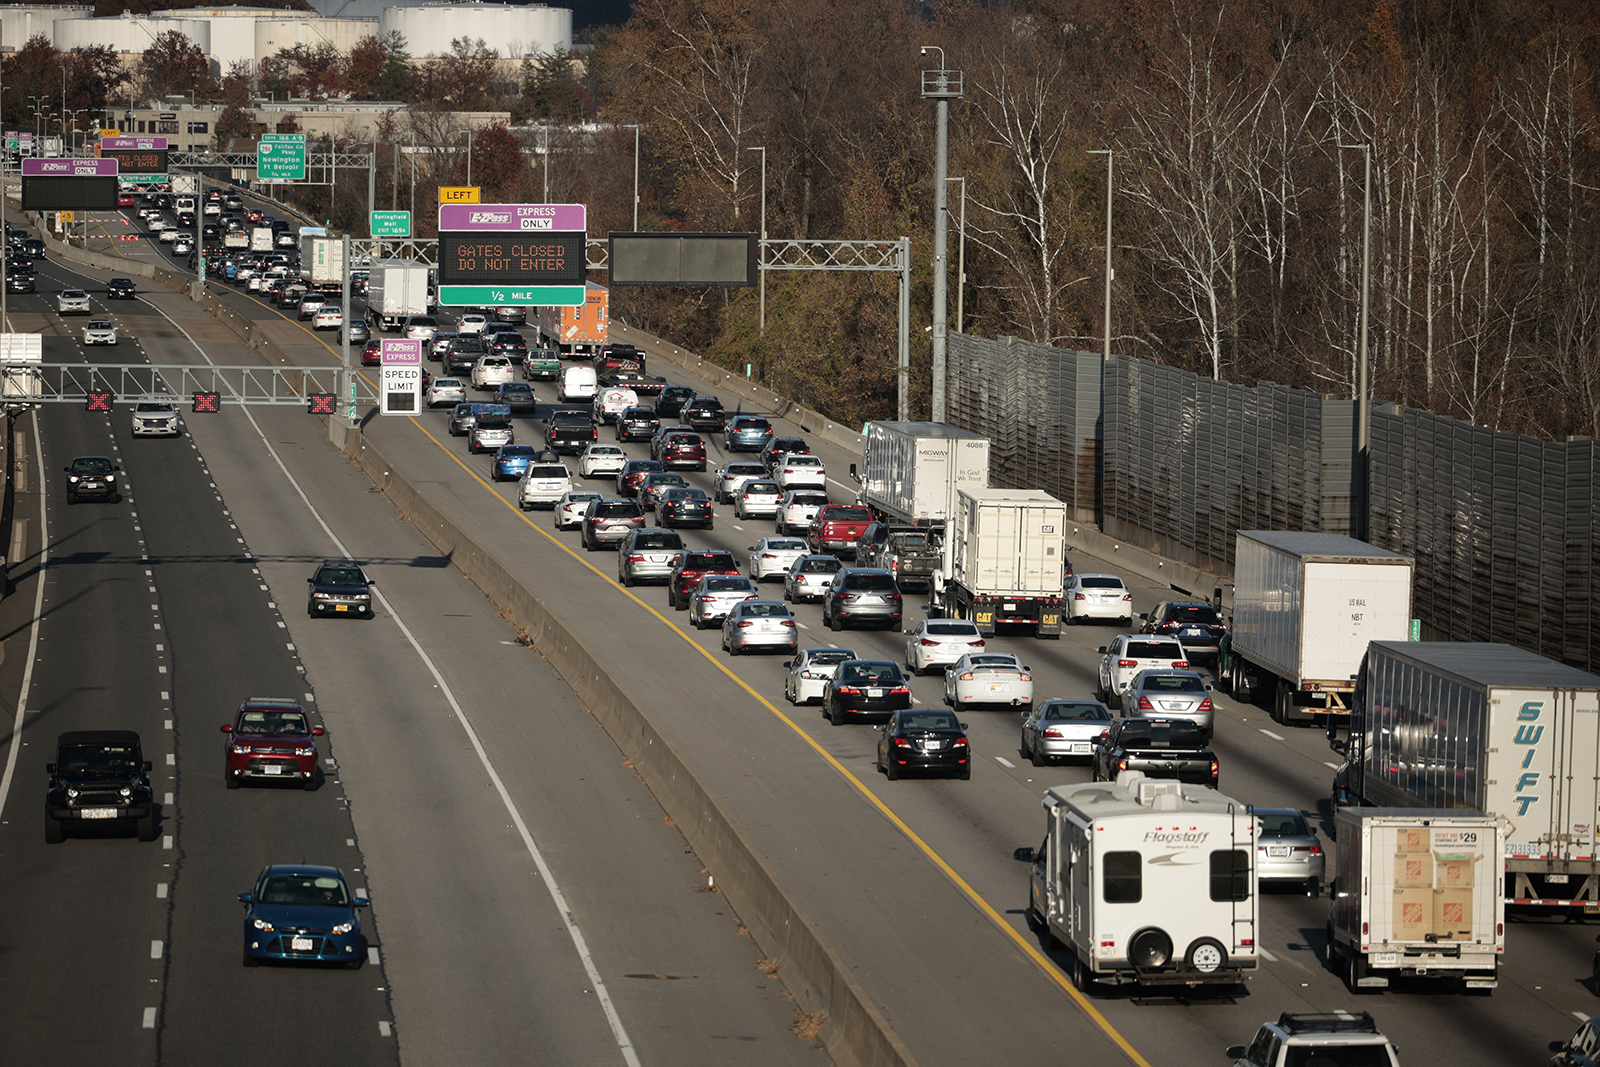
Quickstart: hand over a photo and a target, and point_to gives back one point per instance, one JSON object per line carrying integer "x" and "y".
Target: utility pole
{"x": 1360, "y": 504}
{"x": 941, "y": 86}
{"x": 761, "y": 242}
{"x": 1105, "y": 356}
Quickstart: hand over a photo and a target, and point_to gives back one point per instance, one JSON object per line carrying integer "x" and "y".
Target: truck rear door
{"x": 1550, "y": 793}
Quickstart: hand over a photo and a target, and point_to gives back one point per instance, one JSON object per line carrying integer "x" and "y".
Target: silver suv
{"x": 862, "y": 595}
{"x": 1344, "y": 1038}
{"x": 648, "y": 555}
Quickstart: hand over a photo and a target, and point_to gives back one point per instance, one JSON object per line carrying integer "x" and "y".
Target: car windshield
{"x": 91, "y": 465}
{"x": 340, "y": 576}
{"x": 849, "y": 514}
{"x": 964, "y": 629}
{"x": 1152, "y": 650}
{"x": 1283, "y": 824}
{"x": 300, "y": 890}
{"x": 658, "y": 540}
{"x": 929, "y": 720}
{"x": 98, "y": 758}
{"x": 1194, "y": 614}
{"x": 1074, "y": 712}
{"x": 1100, "y": 581}
{"x": 272, "y": 724}
{"x": 1172, "y": 683}
{"x": 98, "y": 324}
{"x": 766, "y": 611}
{"x": 152, "y": 405}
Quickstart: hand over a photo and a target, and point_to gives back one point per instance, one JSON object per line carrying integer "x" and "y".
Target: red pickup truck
{"x": 838, "y": 527}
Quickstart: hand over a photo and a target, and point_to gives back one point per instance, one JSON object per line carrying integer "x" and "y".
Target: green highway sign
{"x": 281, "y": 157}
{"x": 520, "y": 295}
{"x": 390, "y": 224}
{"x": 144, "y": 179}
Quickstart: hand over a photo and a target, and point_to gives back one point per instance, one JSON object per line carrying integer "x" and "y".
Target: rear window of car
{"x": 1194, "y": 614}
{"x": 769, "y": 488}
{"x": 766, "y": 611}
{"x": 822, "y": 566}
{"x": 872, "y": 583}
{"x": 787, "y": 546}
{"x": 685, "y": 440}
{"x": 1284, "y": 824}
{"x": 966, "y": 629}
{"x": 882, "y": 673}
{"x": 704, "y": 560}
{"x": 686, "y": 494}
{"x": 1101, "y": 581}
{"x": 1162, "y": 735}
{"x": 617, "y": 509}
{"x": 1152, "y": 650}
{"x": 753, "y": 424}
{"x": 848, "y": 514}
{"x": 549, "y": 471}
{"x": 929, "y": 720}
{"x": 810, "y": 500}
{"x": 831, "y": 655}
{"x": 803, "y": 461}
{"x": 1074, "y": 712}
{"x": 746, "y": 468}
{"x": 658, "y": 540}
{"x": 728, "y": 585}
{"x": 573, "y": 418}
{"x": 1172, "y": 683}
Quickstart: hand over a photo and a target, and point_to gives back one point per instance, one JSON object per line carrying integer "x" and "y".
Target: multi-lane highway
{"x": 466, "y": 773}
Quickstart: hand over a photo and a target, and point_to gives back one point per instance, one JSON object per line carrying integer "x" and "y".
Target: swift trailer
{"x": 911, "y": 471}
{"x": 396, "y": 289}
{"x": 1002, "y": 561}
{"x": 579, "y": 332}
{"x": 1418, "y": 894}
{"x": 1305, "y": 607}
{"x": 1494, "y": 729}
{"x": 1146, "y": 883}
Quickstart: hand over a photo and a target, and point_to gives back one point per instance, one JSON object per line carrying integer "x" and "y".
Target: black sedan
{"x": 865, "y": 687}
{"x": 685, "y": 507}
{"x": 120, "y": 289}
{"x": 637, "y": 424}
{"x": 517, "y": 394}
{"x": 923, "y": 740}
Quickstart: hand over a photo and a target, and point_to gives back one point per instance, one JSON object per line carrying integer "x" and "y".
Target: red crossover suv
{"x": 683, "y": 450}
{"x": 271, "y": 739}
{"x": 693, "y": 566}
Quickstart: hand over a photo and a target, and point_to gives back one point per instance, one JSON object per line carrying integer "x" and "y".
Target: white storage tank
{"x": 276, "y": 34}
{"x": 233, "y": 31}
{"x": 511, "y": 30}
{"x": 128, "y": 34}
{"x": 21, "y": 23}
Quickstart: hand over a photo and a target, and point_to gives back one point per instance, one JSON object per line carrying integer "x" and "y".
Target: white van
{"x": 182, "y": 204}
{"x": 610, "y": 403}
{"x": 578, "y": 383}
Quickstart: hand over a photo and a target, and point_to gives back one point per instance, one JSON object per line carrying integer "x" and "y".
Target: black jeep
{"x": 100, "y": 777}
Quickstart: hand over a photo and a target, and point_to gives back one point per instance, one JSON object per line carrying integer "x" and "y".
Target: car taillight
{"x": 966, "y": 677}
{"x": 852, "y": 690}
{"x": 1079, "y": 596}
{"x": 1127, "y": 663}
{"x": 892, "y": 596}
{"x": 787, "y": 622}
{"x": 1181, "y": 664}
{"x": 960, "y": 742}
{"x": 979, "y": 643}
{"x": 927, "y": 641}
{"x": 768, "y": 555}
{"x": 1205, "y": 705}
{"x": 1215, "y": 767}
{"x": 845, "y": 596}
{"x": 708, "y": 599}
{"x": 1127, "y": 596}
{"x": 901, "y": 689}
{"x": 1122, "y": 764}
{"x": 1145, "y": 705}
{"x": 1054, "y": 732}
{"x": 742, "y": 625}
{"x": 1025, "y": 677}
{"x": 901, "y": 742}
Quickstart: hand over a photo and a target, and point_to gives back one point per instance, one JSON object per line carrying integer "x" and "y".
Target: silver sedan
{"x": 809, "y": 672}
{"x": 809, "y": 577}
{"x": 1287, "y": 849}
{"x": 759, "y": 624}
{"x": 712, "y": 600}
{"x": 1057, "y": 729}
{"x": 771, "y": 557}
{"x": 1169, "y": 695}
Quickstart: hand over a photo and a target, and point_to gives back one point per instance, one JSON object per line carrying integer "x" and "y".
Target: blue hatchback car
{"x": 511, "y": 460}
{"x": 299, "y": 912}
{"x": 746, "y": 433}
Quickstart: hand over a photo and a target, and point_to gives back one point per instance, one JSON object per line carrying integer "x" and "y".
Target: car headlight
{"x": 306, "y": 750}
{"x": 72, "y": 479}
{"x": 72, "y": 792}
{"x": 262, "y": 924}
{"x": 111, "y": 477}
{"x": 240, "y": 750}
{"x": 320, "y": 596}
{"x": 126, "y": 791}
{"x": 344, "y": 928}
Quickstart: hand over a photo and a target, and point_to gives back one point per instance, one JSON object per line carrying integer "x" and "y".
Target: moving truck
{"x": 261, "y": 238}
{"x": 1305, "y": 606}
{"x": 1002, "y": 561}
{"x": 580, "y": 332}
{"x": 1146, "y": 883}
{"x": 911, "y": 471}
{"x": 1418, "y": 893}
{"x": 1489, "y": 728}
{"x": 396, "y": 289}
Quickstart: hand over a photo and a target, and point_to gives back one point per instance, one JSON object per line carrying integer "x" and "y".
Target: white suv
{"x": 1314, "y": 1037}
{"x": 491, "y": 372}
{"x": 1128, "y": 655}
{"x": 72, "y": 302}
{"x": 156, "y": 416}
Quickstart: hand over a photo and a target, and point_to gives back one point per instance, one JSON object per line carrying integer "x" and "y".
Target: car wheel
{"x": 72, "y": 498}
{"x": 834, "y": 716}
{"x": 966, "y": 772}
{"x": 1313, "y": 887}
{"x": 835, "y": 625}
{"x": 787, "y": 599}
{"x": 1035, "y": 757}
{"x": 711, "y": 524}
{"x": 55, "y": 831}
{"x": 891, "y": 772}
{"x": 230, "y": 780}
{"x": 147, "y": 826}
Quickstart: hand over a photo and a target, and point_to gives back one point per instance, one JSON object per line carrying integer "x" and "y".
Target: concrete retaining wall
{"x": 854, "y": 1032}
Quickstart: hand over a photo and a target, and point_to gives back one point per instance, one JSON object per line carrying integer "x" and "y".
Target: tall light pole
{"x": 961, "y": 256}
{"x": 1359, "y": 481}
{"x": 634, "y": 126}
{"x": 941, "y": 86}
{"x": 544, "y": 128}
{"x": 761, "y": 242}
{"x": 1105, "y": 355}
{"x": 469, "y": 166}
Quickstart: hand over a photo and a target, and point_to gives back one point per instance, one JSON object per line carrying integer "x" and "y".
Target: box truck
{"x": 579, "y": 332}
{"x": 1146, "y": 883}
{"x": 1002, "y": 561}
{"x": 1305, "y": 607}
{"x": 261, "y": 238}
{"x": 911, "y": 471}
{"x": 321, "y": 256}
{"x": 1489, "y": 728}
{"x": 1418, "y": 893}
{"x": 396, "y": 289}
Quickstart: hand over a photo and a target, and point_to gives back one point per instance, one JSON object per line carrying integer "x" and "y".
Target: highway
{"x": 913, "y": 881}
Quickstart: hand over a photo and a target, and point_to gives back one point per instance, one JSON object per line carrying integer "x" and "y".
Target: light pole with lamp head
{"x": 941, "y": 86}
{"x": 761, "y": 242}
{"x": 1105, "y": 355}
{"x": 634, "y": 126}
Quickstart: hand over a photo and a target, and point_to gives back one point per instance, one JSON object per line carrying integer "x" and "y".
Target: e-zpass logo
{"x": 1529, "y": 733}
{"x": 480, "y": 217}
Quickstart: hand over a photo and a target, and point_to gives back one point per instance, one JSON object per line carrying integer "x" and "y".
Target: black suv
{"x": 339, "y": 587}
{"x": 672, "y": 399}
{"x": 92, "y": 477}
{"x": 637, "y": 424}
{"x": 861, "y": 595}
{"x": 1195, "y": 624}
{"x": 776, "y": 448}
{"x": 99, "y": 777}
{"x": 703, "y": 413}
{"x": 19, "y": 280}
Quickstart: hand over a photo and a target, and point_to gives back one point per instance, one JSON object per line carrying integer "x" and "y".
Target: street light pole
{"x": 544, "y": 128}
{"x": 1359, "y": 480}
{"x": 961, "y": 256}
{"x": 469, "y": 166}
{"x": 761, "y": 243}
{"x": 941, "y": 86}
{"x": 1105, "y": 355}
{"x": 634, "y": 126}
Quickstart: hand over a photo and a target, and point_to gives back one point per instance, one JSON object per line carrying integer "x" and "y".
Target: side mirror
{"x": 148, "y": 766}
{"x": 963, "y": 726}
{"x": 788, "y": 664}
{"x": 246, "y": 898}
{"x": 1234, "y": 1052}
{"x": 116, "y": 467}
{"x": 311, "y": 581}
{"x": 1023, "y": 855}
{"x": 1557, "y": 1046}
{"x": 1104, "y": 734}
{"x": 67, "y": 469}
{"x": 227, "y": 728}
{"x": 49, "y": 768}
{"x": 317, "y": 731}
{"x": 362, "y": 902}
{"x": 1101, "y": 650}
{"x": 1144, "y": 616}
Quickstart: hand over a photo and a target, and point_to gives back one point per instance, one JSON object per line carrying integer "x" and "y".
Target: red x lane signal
{"x": 208, "y": 402}
{"x": 320, "y": 404}
{"x": 98, "y": 402}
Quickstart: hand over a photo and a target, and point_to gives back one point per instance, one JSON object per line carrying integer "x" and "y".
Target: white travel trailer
{"x": 1146, "y": 882}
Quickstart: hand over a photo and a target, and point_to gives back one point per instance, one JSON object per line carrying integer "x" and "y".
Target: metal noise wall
{"x": 1505, "y": 531}
{"x": 1040, "y": 408}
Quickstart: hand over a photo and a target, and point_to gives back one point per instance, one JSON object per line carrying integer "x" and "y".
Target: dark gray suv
{"x": 862, "y": 596}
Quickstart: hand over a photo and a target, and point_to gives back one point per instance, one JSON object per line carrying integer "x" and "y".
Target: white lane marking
{"x": 372, "y": 955}
{"x": 167, "y": 799}
{"x": 383, "y": 1028}
{"x": 802, "y": 626}
{"x": 33, "y": 636}
{"x": 1582, "y": 1018}
{"x": 1325, "y": 763}
{"x": 1272, "y": 735}
{"x": 1267, "y": 955}
{"x": 155, "y": 950}
{"x": 169, "y": 721}
{"x": 1005, "y": 762}
{"x": 149, "y": 1018}
{"x": 166, "y": 842}
{"x": 172, "y": 759}
{"x": 350, "y": 842}
{"x": 161, "y": 891}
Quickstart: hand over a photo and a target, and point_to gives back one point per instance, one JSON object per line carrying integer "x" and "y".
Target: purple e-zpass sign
{"x": 132, "y": 144}
{"x": 400, "y": 353}
{"x": 68, "y": 168}
{"x": 520, "y": 218}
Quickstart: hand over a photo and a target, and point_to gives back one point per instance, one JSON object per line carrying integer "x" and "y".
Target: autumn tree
{"x": 550, "y": 88}
{"x": 34, "y": 70}
{"x": 173, "y": 66}
{"x": 498, "y": 164}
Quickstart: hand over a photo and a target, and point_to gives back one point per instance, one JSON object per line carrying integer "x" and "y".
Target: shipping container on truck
{"x": 1418, "y": 894}
{"x": 1305, "y": 606}
{"x": 911, "y": 471}
{"x": 1002, "y": 561}
{"x": 396, "y": 289}
{"x": 1146, "y": 883}
{"x": 1491, "y": 728}
{"x": 579, "y": 332}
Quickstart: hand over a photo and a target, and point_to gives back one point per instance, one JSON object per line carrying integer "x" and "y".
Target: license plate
{"x": 97, "y": 813}
{"x": 1556, "y": 879}
{"x": 1175, "y": 705}
{"x": 1278, "y": 851}
{"x": 341, "y": 607}
{"x": 1192, "y": 632}
{"x": 1009, "y": 607}
{"x": 273, "y": 768}
{"x": 300, "y": 944}
{"x": 1385, "y": 959}
{"x": 932, "y": 746}
{"x": 874, "y": 692}
{"x": 658, "y": 559}
{"x": 998, "y": 687}
{"x": 871, "y": 600}
{"x": 1078, "y": 747}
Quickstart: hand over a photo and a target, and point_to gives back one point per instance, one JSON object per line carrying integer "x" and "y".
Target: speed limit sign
{"x": 400, "y": 390}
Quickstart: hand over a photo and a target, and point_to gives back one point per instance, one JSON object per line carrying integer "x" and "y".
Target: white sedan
{"x": 327, "y": 319}
{"x": 446, "y": 391}
{"x": 471, "y": 323}
{"x": 1098, "y": 596}
{"x": 602, "y": 461}
{"x": 771, "y": 557}
{"x": 99, "y": 332}
{"x": 939, "y": 643}
{"x": 801, "y": 471}
{"x": 810, "y": 671}
{"x": 570, "y": 508}
{"x": 988, "y": 678}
